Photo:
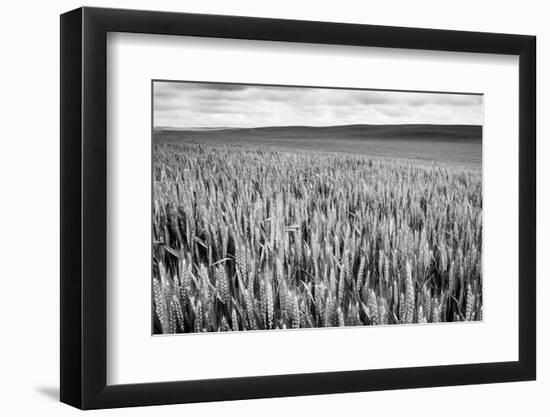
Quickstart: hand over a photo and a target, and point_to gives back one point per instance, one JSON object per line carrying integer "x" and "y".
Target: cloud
{"x": 190, "y": 104}
{"x": 417, "y": 100}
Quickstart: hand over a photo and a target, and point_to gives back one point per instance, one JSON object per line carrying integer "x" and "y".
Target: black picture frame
{"x": 84, "y": 207}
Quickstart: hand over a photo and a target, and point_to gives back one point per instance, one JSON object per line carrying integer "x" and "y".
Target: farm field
{"x": 297, "y": 227}
{"x": 459, "y": 144}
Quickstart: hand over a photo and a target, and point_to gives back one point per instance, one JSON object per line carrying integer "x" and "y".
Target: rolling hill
{"x": 449, "y": 143}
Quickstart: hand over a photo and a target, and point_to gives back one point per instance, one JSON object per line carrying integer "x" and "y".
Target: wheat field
{"x": 258, "y": 238}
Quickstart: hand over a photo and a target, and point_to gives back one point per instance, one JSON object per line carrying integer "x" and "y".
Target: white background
{"x": 133, "y": 60}
{"x": 30, "y": 206}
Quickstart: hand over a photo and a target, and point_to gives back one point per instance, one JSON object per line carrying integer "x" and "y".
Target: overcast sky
{"x": 183, "y": 104}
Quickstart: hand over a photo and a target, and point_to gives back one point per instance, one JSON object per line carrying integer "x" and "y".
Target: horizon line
{"x": 316, "y": 126}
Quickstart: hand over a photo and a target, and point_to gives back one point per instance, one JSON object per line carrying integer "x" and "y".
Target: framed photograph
{"x": 255, "y": 208}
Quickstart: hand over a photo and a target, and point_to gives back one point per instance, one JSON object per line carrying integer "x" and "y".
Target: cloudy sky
{"x": 191, "y": 105}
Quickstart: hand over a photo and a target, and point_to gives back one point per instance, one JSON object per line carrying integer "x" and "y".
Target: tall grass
{"x": 248, "y": 238}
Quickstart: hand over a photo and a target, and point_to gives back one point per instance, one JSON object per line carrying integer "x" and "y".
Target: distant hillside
{"x": 460, "y": 133}
{"x": 444, "y": 143}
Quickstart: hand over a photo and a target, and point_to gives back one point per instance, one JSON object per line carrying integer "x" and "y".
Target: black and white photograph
{"x": 284, "y": 207}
